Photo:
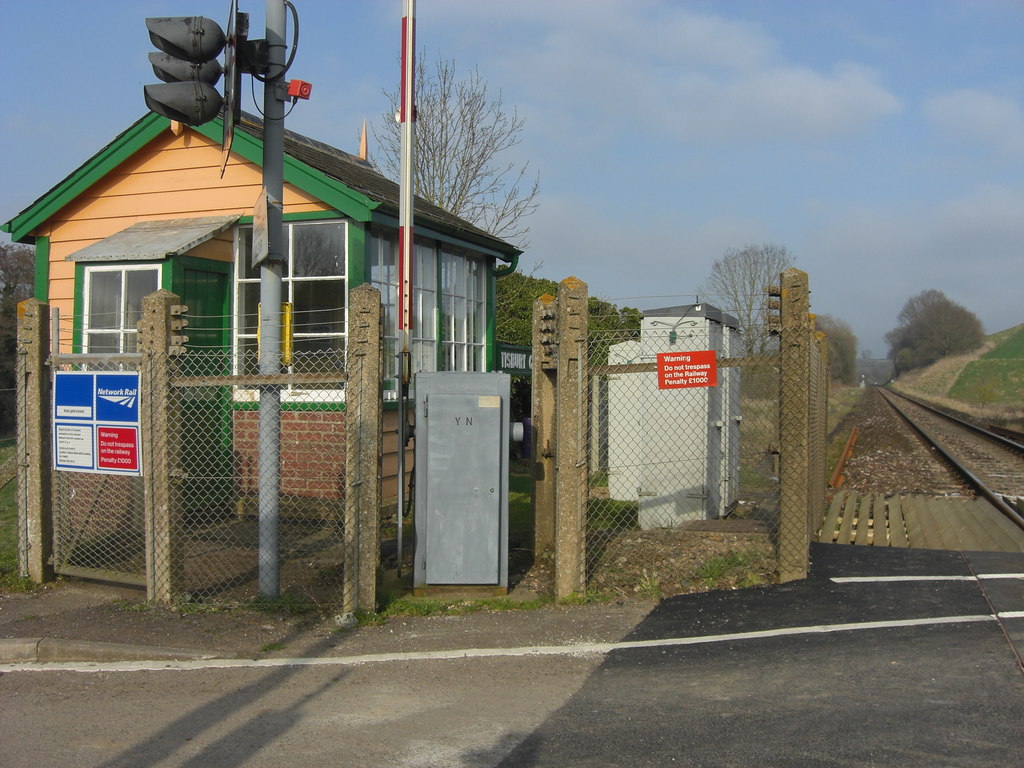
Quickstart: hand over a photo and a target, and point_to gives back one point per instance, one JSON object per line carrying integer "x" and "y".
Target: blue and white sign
{"x": 96, "y": 422}
{"x": 74, "y": 396}
{"x": 117, "y": 397}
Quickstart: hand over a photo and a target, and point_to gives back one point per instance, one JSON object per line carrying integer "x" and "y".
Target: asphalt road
{"x": 909, "y": 672}
{"x": 924, "y": 694}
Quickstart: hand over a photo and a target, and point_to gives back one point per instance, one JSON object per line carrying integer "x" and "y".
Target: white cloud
{"x": 979, "y": 118}
{"x": 783, "y": 103}
{"x": 661, "y": 31}
{"x": 668, "y": 71}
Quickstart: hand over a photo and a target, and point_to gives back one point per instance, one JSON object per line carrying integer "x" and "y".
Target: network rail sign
{"x": 96, "y": 422}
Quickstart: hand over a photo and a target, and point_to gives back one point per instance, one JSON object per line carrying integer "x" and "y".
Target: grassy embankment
{"x": 987, "y": 384}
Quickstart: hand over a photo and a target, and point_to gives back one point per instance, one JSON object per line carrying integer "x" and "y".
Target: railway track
{"x": 992, "y": 463}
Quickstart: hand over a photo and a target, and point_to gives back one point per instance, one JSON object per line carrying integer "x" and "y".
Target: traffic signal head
{"x": 188, "y": 66}
{"x": 191, "y": 38}
{"x": 172, "y": 70}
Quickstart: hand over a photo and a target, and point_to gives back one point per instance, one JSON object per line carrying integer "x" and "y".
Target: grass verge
{"x": 405, "y": 605}
{"x": 10, "y": 581}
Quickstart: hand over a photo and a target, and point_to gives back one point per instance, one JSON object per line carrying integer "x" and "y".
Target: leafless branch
{"x": 461, "y": 132}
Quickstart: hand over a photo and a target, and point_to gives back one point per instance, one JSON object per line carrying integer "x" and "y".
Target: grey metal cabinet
{"x": 461, "y": 509}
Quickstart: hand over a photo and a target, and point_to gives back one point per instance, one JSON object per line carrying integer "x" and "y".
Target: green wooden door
{"x": 207, "y": 295}
{"x": 206, "y": 411}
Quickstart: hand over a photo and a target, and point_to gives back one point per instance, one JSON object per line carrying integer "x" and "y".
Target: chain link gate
{"x": 209, "y": 417}
{"x": 99, "y": 525}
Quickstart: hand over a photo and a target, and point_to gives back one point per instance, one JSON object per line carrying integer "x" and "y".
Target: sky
{"x": 880, "y": 141}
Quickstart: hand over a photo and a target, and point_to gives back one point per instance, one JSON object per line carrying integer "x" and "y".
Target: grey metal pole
{"x": 270, "y": 306}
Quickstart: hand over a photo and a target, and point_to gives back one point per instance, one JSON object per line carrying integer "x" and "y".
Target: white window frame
{"x": 425, "y": 339}
{"x": 463, "y": 343}
{"x": 288, "y": 283}
{"x": 122, "y": 330}
{"x": 382, "y": 274}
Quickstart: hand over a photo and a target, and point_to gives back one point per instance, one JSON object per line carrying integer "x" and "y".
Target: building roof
{"x": 154, "y": 240}
{"x": 356, "y": 173}
{"x": 694, "y": 310}
{"x": 344, "y": 182}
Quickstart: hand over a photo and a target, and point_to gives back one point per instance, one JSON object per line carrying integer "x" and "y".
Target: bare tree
{"x": 460, "y": 133}
{"x": 842, "y": 348}
{"x": 737, "y": 285}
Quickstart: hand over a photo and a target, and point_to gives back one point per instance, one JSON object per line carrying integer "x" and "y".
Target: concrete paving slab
{"x": 19, "y": 648}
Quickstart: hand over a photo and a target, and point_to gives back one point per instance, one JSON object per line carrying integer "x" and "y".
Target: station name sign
{"x": 96, "y": 422}
{"x": 515, "y": 360}
{"x": 680, "y": 370}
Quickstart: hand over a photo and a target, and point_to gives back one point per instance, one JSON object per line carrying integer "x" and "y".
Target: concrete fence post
{"x": 819, "y": 432}
{"x": 363, "y": 450}
{"x": 571, "y": 465}
{"x": 543, "y": 424}
{"x": 794, "y": 425}
{"x": 35, "y": 508}
{"x": 162, "y": 449}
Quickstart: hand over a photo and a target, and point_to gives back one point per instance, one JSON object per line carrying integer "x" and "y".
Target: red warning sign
{"x": 679, "y": 370}
{"x": 117, "y": 448}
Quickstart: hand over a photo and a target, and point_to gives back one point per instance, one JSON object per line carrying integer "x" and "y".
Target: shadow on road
{"x": 244, "y": 741}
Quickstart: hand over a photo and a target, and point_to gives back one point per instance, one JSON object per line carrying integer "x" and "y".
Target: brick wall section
{"x": 312, "y": 453}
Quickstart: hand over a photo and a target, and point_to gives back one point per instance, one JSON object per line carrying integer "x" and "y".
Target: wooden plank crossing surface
{"x": 918, "y": 522}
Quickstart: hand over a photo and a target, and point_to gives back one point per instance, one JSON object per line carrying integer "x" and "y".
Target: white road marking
{"x": 888, "y": 579}
{"x": 577, "y": 649}
{"x": 1001, "y": 575}
{"x": 885, "y": 579}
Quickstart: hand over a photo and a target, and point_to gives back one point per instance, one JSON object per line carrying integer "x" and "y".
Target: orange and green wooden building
{"x": 154, "y": 209}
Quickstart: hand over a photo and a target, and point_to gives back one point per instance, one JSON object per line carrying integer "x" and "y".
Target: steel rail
{"x": 1002, "y": 439}
{"x": 991, "y": 496}
{"x": 1010, "y": 434}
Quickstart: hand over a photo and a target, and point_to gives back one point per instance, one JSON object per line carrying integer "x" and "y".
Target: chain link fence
{"x": 654, "y": 475}
{"x": 201, "y": 521}
{"x": 215, "y": 489}
{"x": 683, "y": 478}
{"x": 675, "y": 449}
{"x": 99, "y": 520}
